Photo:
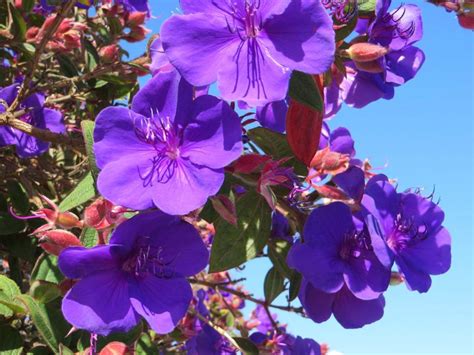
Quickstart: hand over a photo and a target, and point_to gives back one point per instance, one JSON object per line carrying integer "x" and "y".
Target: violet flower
{"x": 249, "y": 47}
{"x": 36, "y": 114}
{"x": 335, "y": 254}
{"x": 141, "y": 273}
{"x": 273, "y": 115}
{"x": 407, "y": 229}
{"x": 135, "y": 5}
{"x": 169, "y": 150}
{"x": 350, "y": 311}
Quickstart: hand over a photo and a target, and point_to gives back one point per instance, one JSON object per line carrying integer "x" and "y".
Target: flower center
{"x": 247, "y": 23}
{"x": 405, "y": 233}
{"x": 165, "y": 138}
{"x": 353, "y": 245}
{"x": 392, "y": 23}
{"x": 147, "y": 259}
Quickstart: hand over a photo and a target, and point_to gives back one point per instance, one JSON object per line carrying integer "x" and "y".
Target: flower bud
{"x": 54, "y": 241}
{"x": 109, "y": 53}
{"x": 137, "y": 34}
{"x": 327, "y": 162}
{"x": 396, "y": 279}
{"x": 366, "y": 52}
{"x": 374, "y": 66}
{"x": 68, "y": 220}
{"x": 115, "y": 348}
{"x": 136, "y": 18}
{"x": 466, "y": 20}
{"x": 31, "y": 33}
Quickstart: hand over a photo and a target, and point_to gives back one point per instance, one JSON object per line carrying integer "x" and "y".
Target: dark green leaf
{"x": 44, "y": 291}
{"x": 46, "y": 269}
{"x": 88, "y": 134}
{"x": 246, "y": 345}
{"x": 278, "y": 251}
{"x": 10, "y": 225}
{"x": 366, "y": 5}
{"x": 9, "y": 290}
{"x": 19, "y": 23}
{"x": 11, "y": 342}
{"x": 273, "y": 285}
{"x": 295, "y": 284}
{"x": 83, "y": 192}
{"x": 234, "y": 245}
{"x": 89, "y": 237}
{"x": 41, "y": 321}
{"x": 18, "y": 197}
{"x": 303, "y": 89}
{"x": 346, "y": 29}
{"x": 92, "y": 57}
{"x": 145, "y": 345}
{"x": 128, "y": 338}
{"x": 68, "y": 68}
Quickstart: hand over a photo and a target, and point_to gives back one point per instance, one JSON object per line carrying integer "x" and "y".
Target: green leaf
{"x": 346, "y": 28}
{"x": 10, "y": 225}
{"x": 128, "y": 338}
{"x": 11, "y": 342}
{"x": 44, "y": 291}
{"x": 246, "y": 345}
{"x": 303, "y": 89}
{"x": 277, "y": 252}
{"x": 295, "y": 284}
{"x": 273, "y": 285}
{"x": 46, "y": 269}
{"x": 88, "y": 134}
{"x": 64, "y": 350}
{"x": 9, "y": 290}
{"x": 19, "y": 23}
{"x": 41, "y": 321}
{"x": 145, "y": 345}
{"x": 366, "y": 5}
{"x": 83, "y": 192}
{"x": 18, "y": 197}
{"x": 272, "y": 143}
{"x": 92, "y": 57}
{"x": 89, "y": 237}
{"x": 67, "y": 66}
{"x": 234, "y": 245}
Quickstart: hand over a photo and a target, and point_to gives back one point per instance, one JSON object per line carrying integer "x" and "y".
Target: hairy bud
{"x": 54, "y": 241}
{"x": 109, "y": 53}
{"x": 366, "y": 52}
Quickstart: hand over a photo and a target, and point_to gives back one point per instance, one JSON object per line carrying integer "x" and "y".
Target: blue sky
{"x": 425, "y": 135}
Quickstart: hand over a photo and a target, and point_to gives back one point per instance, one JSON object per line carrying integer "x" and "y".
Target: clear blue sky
{"x": 425, "y": 134}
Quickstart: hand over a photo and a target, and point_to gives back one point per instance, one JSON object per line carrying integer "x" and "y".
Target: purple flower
{"x": 135, "y": 5}
{"x": 159, "y": 60}
{"x": 335, "y": 254}
{"x": 350, "y": 311}
{"x": 50, "y": 5}
{"x": 141, "y": 273}
{"x": 407, "y": 229}
{"x": 169, "y": 150}
{"x": 273, "y": 115}
{"x": 396, "y": 30}
{"x": 36, "y": 115}
{"x": 281, "y": 227}
{"x": 209, "y": 342}
{"x": 300, "y": 346}
{"x": 249, "y": 47}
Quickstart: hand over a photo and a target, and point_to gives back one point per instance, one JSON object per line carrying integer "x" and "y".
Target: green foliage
{"x": 11, "y": 342}
{"x": 82, "y": 193}
{"x": 88, "y": 134}
{"x": 235, "y": 244}
{"x": 303, "y": 89}
{"x": 46, "y": 269}
{"x": 246, "y": 345}
{"x": 273, "y": 285}
{"x": 9, "y": 291}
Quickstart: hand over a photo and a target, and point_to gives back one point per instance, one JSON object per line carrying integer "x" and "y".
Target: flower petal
{"x": 188, "y": 188}
{"x": 114, "y": 135}
{"x": 302, "y": 37}
{"x": 422, "y": 211}
{"x": 128, "y": 181}
{"x": 100, "y": 303}
{"x": 196, "y": 45}
{"x": 273, "y": 115}
{"x": 248, "y": 72}
{"x": 352, "y": 312}
{"x": 213, "y": 137}
{"x": 316, "y": 303}
{"x": 403, "y": 65}
{"x": 162, "y": 302}
{"x": 79, "y": 262}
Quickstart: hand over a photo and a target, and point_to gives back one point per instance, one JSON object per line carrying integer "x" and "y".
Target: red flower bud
{"x": 366, "y": 52}
{"x": 109, "y": 53}
{"x": 31, "y": 33}
{"x": 136, "y": 18}
{"x": 115, "y": 348}
{"x": 396, "y": 279}
{"x": 466, "y": 20}
{"x": 54, "y": 241}
{"x": 137, "y": 34}
{"x": 371, "y": 67}
{"x": 327, "y": 162}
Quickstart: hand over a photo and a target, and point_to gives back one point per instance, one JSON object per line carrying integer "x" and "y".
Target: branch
{"x": 247, "y": 297}
{"x": 25, "y": 87}
{"x": 10, "y": 119}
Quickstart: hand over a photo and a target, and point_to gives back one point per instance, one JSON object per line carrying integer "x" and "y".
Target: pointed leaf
{"x": 83, "y": 192}
{"x": 273, "y": 285}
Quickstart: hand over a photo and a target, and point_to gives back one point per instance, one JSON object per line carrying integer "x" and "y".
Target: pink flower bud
{"x": 68, "y": 220}
{"x": 115, "y": 348}
{"x": 136, "y": 18}
{"x": 54, "y": 241}
{"x": 327, "y": 162}
{"x": 19, "y": 4}
{"x": 466, "y": 20}
{"x": 137, "y": 34}
{"x": 396, "y": 279}
{"x": 31, "y": 34}
{"x": 366, "y": 52}
{"x": 109, "y": 53}
{"x": 371, "y": 67}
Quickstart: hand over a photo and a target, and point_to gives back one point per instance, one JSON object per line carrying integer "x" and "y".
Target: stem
{"x": 246, "y": 296}
{"x": 25, "y": 87}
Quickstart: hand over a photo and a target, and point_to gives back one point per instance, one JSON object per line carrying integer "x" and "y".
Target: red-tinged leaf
{"x": 303, "y": 128}
{"x": 226, "y": 208}
{"x": 249, "y": 163}
{"x": 115, "y": 348}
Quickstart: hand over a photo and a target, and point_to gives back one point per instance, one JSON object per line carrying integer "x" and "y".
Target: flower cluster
{"x": 225, "y": 154}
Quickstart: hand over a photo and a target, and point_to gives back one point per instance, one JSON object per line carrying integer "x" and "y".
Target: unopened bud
{"x": 68, "y": 220}
{"x": 136, "y": 18}
{"x": 137, "y": 34}
{"x": 31, "y": 33}
{"x": 115, "y": 348}
{"x": 109, "y": 53}
{"x": 327, "y": 162}
{"x": 54, "y": 241}
{"x": 366, "y": 52}
{"x": 396, "y": 278}
{"x": 374, "y": 66}
{"x": 466, "y": 20}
